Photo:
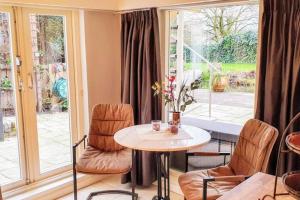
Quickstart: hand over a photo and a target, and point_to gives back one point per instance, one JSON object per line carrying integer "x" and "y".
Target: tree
{"x": 224, "y": 21}
{"x": 51, "y": 38}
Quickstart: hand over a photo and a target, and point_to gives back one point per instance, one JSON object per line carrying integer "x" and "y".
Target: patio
{"x": 54, "y": 145}
{"x": 228, "y": 107}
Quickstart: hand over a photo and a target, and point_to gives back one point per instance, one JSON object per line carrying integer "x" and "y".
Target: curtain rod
{"x": 208, "y": 4}
{"x": 132, "y": 10}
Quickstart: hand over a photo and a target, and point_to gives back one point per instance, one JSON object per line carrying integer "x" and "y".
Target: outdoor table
{"x": 143, "y": 138}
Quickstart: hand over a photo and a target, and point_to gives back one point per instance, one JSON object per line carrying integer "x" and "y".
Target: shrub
{"x": 205, "y": 75}
{"x": 240, "y": 48}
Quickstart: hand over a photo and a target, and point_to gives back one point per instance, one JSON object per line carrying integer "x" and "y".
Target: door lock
{"x": 20, "y": 84}
{"x": 18, "y": 61}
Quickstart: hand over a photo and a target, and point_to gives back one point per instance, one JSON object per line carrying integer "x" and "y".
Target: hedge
{"x": 239, "y": 48}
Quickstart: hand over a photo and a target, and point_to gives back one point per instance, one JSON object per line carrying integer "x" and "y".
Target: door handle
{"x": 20, "y": 84}
{"x": 30, "y": 81}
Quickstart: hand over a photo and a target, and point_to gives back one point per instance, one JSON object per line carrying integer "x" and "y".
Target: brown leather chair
{"x": 251, "y": 155}
{"x": 103, "y": 155}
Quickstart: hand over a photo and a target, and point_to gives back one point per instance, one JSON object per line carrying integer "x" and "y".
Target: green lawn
{"x": 227, "y": 67}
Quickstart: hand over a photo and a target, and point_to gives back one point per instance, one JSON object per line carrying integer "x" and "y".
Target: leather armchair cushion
{"x": 106, "y": 121}
{"x": 96, "y": 161}
{"x": 191, "y": 183}
{"x": 253, "y": 149}
{"x": 104, "y": 143}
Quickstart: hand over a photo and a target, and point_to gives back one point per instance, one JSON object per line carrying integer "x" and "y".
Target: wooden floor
{"x": 113, "y": 182}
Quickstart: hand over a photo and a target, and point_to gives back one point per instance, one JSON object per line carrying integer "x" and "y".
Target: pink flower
{"x": 171, "y": 78}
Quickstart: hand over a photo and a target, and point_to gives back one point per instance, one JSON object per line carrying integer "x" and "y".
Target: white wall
{"x": 103, "y": 57}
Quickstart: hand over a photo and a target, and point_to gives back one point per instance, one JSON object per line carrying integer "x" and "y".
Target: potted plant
{"x": 219, "y": 82}
{"x": 178, "y": 101}
{"x": 47, "y": 103}
{"x": 64, "y": 105}
{"x": 6, "y": 84}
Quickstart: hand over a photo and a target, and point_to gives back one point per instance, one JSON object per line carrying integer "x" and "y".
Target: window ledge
{"x": 52, "y": 188}
{"x": 214, "y": 125}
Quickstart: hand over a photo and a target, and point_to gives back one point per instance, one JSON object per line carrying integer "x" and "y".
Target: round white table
{"x": 141, "y": 137}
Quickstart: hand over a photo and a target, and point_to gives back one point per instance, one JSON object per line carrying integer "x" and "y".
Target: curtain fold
{"x": 278, "y": 98}
{"x": 140, "y": 69}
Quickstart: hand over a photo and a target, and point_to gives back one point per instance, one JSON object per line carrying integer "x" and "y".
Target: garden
{"x": 50, "y": 70}
{"x": 234, "y": 59}
{"x": 220, "y": 45}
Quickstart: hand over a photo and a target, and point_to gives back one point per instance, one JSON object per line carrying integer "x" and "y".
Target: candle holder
{"x": 156, "y": 124}
{"x": 174, "y": 127}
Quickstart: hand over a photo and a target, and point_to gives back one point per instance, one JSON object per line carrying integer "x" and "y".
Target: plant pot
{"x": 176, "y": 117}
{"x": 219, "y": 88}
{"x": 219, "y": 84}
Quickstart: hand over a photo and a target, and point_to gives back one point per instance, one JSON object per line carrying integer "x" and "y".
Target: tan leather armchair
{"x": 251, "y": 155}
{"x": 103, "y": 155}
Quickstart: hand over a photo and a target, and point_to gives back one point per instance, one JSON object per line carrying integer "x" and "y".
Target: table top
{"x": 255, "y": 188}
{"x": 141, "y": 137}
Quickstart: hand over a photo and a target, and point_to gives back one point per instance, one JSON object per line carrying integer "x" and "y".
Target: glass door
{"x": 12, "y": 159}
{"x": 38, "y": 108}
{"x": 49, "y": 96}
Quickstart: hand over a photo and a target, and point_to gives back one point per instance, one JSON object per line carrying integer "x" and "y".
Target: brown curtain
{"x": 140, "y": 69}
{"x": 279, "y": 73}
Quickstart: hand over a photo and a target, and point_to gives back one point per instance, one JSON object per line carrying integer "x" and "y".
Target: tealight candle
{"x": 156, "y": 125}
{"x": 173, "y": 127}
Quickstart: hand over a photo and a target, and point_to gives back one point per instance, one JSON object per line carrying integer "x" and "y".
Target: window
{"x": 220, "y": 45}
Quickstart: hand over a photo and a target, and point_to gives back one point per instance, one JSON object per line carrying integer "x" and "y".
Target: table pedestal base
{"x": 162, "y": 198}
{"x": 163, "y": 176}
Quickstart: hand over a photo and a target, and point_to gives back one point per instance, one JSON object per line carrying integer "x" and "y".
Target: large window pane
{"x": 51, "y": 90}
{"x": 220, "y": 45}
{"x": 9, "y": 143}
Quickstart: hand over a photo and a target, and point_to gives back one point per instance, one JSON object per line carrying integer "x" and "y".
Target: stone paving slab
{"x": 227, "y": 114}
{"x": 54, "y": 145}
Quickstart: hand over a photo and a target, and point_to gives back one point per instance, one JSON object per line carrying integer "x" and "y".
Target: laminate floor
{"x": 113, "y": 182}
